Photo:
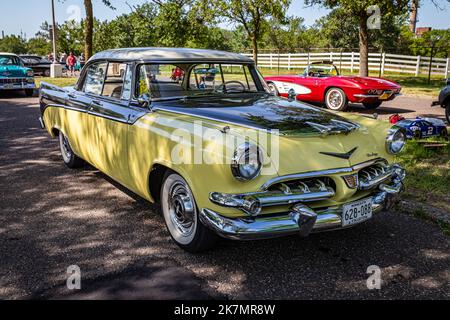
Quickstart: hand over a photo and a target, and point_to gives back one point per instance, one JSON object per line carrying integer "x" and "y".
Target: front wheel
{"x": 181, "y": 216}
{"x": 372, "y": 105}
{"x": 71, "y": 160}
{"x": 335, "y": 99}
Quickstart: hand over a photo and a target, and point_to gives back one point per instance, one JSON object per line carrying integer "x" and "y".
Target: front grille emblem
{"x": 351, "y": 181}
{"x": 341, "y": 155}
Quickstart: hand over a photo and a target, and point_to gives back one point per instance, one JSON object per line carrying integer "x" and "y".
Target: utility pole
{"x": 56, "y": 68}
{"x": 54, "y": 31}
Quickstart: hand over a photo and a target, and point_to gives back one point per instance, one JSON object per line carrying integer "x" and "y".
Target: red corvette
{"x": 322, "y": 83}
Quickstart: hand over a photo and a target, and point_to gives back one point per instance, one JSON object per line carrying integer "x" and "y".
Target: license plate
{"x": 386, "y": 95}
{"x": 8, "y": 86}
{"x": 356, "y": 212}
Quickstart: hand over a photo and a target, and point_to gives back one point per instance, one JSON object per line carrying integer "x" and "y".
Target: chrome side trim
{"x": 313, "y": 174}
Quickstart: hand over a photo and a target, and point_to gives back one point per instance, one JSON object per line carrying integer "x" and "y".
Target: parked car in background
{"x": 423, "y": 128}
{"x": 200, "y": 146}
{"x": 444, "y": 100}
{"x": 14, "y": 75}
{"x": 40, "y": 66}
{"x": 321, "y": 83}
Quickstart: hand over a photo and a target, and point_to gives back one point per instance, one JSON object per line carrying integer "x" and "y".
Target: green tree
{"x": 251, "y": 14}
{"x": 39, "y": 46}
{"x": 13, "y": 44}
{"x": 359, "y": 9}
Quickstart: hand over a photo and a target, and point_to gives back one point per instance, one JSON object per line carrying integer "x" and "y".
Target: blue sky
{"x": 27, "y": 15}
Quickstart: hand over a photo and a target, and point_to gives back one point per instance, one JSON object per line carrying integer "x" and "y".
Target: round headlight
{"x": 30, "y": 73}
{"x": 395, "y": 141}
{"x": 247, "y": 162}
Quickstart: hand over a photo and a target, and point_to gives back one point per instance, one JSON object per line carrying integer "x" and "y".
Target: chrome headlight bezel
{"x": 30, "y": 73}
{"x": 247, "y": 154}
{"x": 396, "y": 140}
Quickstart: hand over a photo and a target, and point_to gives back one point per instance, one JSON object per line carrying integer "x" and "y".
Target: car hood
{"x": 371, "y": 82}
{"x": 13, "y": 71}
{"x": 263, "y": 112}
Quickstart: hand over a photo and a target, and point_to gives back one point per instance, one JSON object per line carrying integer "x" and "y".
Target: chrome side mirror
{"x": 292, "y": 95}
{"x": 144, "y": 100}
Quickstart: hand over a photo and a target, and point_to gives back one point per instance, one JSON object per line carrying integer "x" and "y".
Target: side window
{"x": 114, "y": 80}
{"x": 126, "y": 92}
{"x": 95, "y": 78}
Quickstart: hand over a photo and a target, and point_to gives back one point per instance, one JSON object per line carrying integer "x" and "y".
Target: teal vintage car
{"x": 14, "y": 75}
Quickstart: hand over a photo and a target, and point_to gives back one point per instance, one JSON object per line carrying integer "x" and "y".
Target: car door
{"x": 78, "y": 105}
{"x": 111, "y": 115}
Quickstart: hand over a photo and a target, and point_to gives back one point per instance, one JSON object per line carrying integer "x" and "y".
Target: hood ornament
{"x": 345, "y": 156}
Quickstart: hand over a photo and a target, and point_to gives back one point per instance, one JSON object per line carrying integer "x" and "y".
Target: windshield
{"x": 6, "y": 60}
{"x": 166, "y": 81}
{"x": 318, "y": 70}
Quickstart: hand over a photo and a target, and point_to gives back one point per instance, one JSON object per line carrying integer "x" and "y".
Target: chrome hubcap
{"x": 334, "y": 99}
{"x": 65, "y": 148}
{"x": 181, "y": 209}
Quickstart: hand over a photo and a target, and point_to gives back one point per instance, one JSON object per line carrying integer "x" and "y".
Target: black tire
{"x": 417, "y": 134}
{"x": 372, "y": 105}
{"x": 444, "y": 134}
{"x": 181, "y": 215}
{"x": 447, "y": 112}
{"x": 336, "y": 100}
{"x": 273, "y": 88}
{"x": 71, "y": 160}
{"x": 47, "y": 73}
{"x": 29, "y": 92}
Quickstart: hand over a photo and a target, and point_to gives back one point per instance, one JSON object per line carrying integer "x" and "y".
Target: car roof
{"x": 170, "y": 54}
{"x": 8, "y": 54}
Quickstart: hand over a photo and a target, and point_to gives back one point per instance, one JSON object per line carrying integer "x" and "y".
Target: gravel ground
{"x": 52, "y": 217}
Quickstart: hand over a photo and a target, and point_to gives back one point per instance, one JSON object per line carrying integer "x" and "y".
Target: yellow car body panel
{"x": 128, "y": 152}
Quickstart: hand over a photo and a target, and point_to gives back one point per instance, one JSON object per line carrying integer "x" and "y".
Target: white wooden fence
{"x": 381, "y": 62}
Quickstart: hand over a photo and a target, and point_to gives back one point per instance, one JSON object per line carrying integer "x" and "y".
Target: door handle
{"x": 71, "y": 96}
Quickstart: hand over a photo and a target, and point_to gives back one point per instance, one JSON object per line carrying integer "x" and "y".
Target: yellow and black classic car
{"x": 199, "y": 132}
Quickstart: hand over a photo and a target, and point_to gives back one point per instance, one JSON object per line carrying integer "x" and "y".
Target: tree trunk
{"x": 255, "y": 48}
{"x": 363, "y": 46}
{"x": 88, "y": 28}
{"x": 413, "y": 15}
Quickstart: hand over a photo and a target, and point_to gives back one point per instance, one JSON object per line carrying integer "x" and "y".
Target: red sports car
{"x": 322, "y": 83}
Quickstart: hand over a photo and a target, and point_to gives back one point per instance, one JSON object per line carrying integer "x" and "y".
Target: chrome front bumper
{"x": 17, "y": 86}
{"x": 300, "y": 220}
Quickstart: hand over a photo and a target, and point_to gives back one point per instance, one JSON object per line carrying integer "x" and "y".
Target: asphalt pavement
{"x": 52, "y": 218}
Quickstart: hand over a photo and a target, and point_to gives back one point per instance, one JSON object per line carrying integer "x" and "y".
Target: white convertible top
{"x": 170, "y": 54}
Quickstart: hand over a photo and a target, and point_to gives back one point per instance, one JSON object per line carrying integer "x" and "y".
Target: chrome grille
{"x": 13, "y": 80}
{"x": 372, "y": 176}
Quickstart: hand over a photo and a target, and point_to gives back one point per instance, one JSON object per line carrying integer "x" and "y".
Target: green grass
{"x": 428, "y": 169}
{"x": 60, "y": 82}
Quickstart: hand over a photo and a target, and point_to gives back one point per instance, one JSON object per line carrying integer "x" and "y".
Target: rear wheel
{"x": 70, "y": 159}
{"x": 372, "y": 105}
{"x": 444, "y": 134}
{"x": 47, "y": 73}
{"x": 181, "y": 216}
{"x": 335, "y": 99}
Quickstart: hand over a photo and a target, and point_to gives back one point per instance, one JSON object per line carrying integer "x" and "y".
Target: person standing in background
{"x": 71, "y": 62}
{"x": 82, "y": 61}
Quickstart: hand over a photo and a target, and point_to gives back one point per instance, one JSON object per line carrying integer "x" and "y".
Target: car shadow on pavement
{"x": 53, "y": 217}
